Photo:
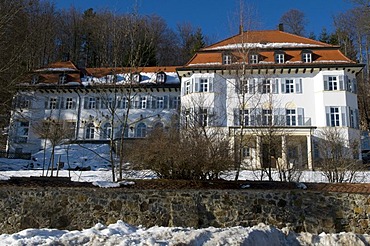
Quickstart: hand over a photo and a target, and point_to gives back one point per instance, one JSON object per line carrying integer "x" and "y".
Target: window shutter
{"x": 259, "y": 86}
{"x": 258, "y": 117}
{"x": 326, "y": 86}
{"x": 236, "y": 117}
{"x": 154, "y": 102}
{"x": 344, "y": 114}
{"x": 276, "y": 112}
{"x": 347, "y": 83}
{"x": 283, "y": 86}
{"x": 300, "y": 112}
{"x": 210, "y": 84}
{"x": 62, "y": 102}
{"x": 298, "y": 85}
{"x": 238, "y": 85}
{"x": 196, "y": 85}
{"x": 341, "y": 83}
{"x": 275, "y": 86}
{"x": 170, "y": 102}
{"x": 251, "y": 86}
{"x": 354, "y": 85}
{"x": 97, "y": 102}
{"x": 73, "y": 104}
{"x": 357, "y": 122}
{"x": 86, "y": 101}
{"x": 46, "y": 102}
{"x": 118, "y": 103}
{"x": 165, "y": 101}
{"x": 327, "y": 112}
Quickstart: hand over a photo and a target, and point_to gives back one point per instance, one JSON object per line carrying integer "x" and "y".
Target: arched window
{"x": 158, "y": 126}
{"x": 141, "y": 130}
{"x": 118, "y": 134}
{"x": 90, "y": 131}
{"x": 106, "y": 131}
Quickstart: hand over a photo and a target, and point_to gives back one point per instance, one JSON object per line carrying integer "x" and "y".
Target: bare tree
{"x": 338, "y": 156}
{"x": 294, "y": 22}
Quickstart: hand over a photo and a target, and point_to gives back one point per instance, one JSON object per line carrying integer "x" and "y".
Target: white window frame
{"x": 53, "y": 103}
{"x": 253, "y": 59}
{"x": 91, "y": 104}
{"x": 141, "y": 130}
{"x": 203, "y": 85}
{"x": 69, "y": 103}
{"x": 291, "y": 117}
{"x": 279, "y": 58}
{"x": 22, "y": 131}
{"x": 334, "y": 115}
{"x": 267, "y": 117}
{"x": 90, "y": 131}
{"x": 227, "y": 59}
{"x": 289, "y": 86}
{"x": 307, "y": 57}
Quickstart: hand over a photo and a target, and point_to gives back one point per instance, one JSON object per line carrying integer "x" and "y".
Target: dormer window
{"x": 307, "y": 56}
{"x": 35, "y": 79}
{"x": 279, "y": 57}
{"x": 227, "y": 59}
{"x": 62, "y": 79}
{"x": 161, "y": 78}
{"x": 253, "y": 58}
{"x": 136, "y": 78}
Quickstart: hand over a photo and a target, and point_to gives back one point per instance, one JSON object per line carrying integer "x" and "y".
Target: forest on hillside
{"x": 34, "y": 33}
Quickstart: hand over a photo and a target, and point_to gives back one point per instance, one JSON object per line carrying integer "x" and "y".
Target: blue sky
{"x": 218, "y": 18}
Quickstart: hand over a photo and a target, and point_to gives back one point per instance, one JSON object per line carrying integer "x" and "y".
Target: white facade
{"x": 92, "y": 109}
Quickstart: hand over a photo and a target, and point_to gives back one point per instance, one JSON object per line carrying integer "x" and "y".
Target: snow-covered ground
{"x": 95, "y": 157}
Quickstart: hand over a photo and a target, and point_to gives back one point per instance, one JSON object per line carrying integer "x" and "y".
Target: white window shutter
{"x": 326, "y": 85}
{"x": 327, "y": 112}
{"x": 283, "y": 86}
{"x": 344, "y": 114}
{"x": 341, "y": 83}
{"x": 210, "y": 84}
{"x": 300, "y": 112}
{"x": 298, "y": 85}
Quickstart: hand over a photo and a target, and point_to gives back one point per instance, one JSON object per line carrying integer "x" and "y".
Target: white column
{"x": 309, "y": 152}
{"x": 284, "y": 150}
{"x": 258, "y": 152}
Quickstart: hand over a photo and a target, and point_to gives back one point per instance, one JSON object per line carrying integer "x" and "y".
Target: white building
{"x": 259, "y": 83}
{"x": 248, "y": 86}
{"x": 90, "y": 104}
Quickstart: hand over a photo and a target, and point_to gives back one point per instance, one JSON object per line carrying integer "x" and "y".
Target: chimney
{"x": 281, "y": 27}
{"x": 241, "y": 29}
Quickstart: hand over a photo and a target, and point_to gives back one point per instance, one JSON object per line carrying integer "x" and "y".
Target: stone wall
{"x": 82, "y": 207}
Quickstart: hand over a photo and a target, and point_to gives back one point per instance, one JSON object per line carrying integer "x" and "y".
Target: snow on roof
{"x": 262, "y": 46}
{"x": 145, "y": 78}
{"x": 59, "y": 69}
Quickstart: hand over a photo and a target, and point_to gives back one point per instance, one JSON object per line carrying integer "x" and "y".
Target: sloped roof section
{"x": 266, "y": 39}
{"x": 103, "y": 71}
{"x": 61, "y": 66}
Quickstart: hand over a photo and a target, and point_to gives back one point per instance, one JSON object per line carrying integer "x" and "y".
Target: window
{"x": 203, "y": 117}
{"x": 246, "y": 152}
{"x": 203, "y": 85}
{"x": 71, "y": 129}
{"x": 90, "y": 131}
{"x": 22, "y": 102}
{"x": 160, "y": 102}
{"x": 266, "y": 117}
{"x": 289, "y": 86}
{"x": 187, "y": 87}
{"x": 266, "y": 86}
{"x": 334, "y": 116}
{"x": 176, "y": 102}
{"x": 53, "y": 103}
{"x": 141, "y": 130}
{"x": 62, "y": 79}
{"x": 22, "y": 129}
{"x": 279, "y": 58}
{"x": 143, "y": 102}
{"x": 244, "y": 117}
{"x": 91, "y": 103}
{"x": 253, "y": 59}
{"x": 291, "y": 118}
{"x": 106, "y": 131}
{"x": 161, "y": 78}
{"x": 307, "y": 57}
{"x": 69, "y": 103}
{"x": 136, "y": 78}
{"x": 35, "y": 79}
{"x": 333, "y": 83}
{"x": 124, "y": 103}
{"x": 227, "y": 59}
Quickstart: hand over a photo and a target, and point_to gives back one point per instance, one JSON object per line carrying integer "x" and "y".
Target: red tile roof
{"x": 100, "y": 72}
{"x": 266, "y": 43}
